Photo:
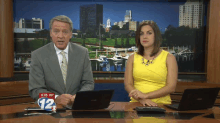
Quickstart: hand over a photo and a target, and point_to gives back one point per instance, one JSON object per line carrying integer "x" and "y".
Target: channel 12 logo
{"x": 46, "y": 101}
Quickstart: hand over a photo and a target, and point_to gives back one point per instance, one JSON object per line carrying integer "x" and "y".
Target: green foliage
{"x": 180, "y": 36}
{"x": 93, "y": 55}
{"x": 97, "y": 40}
{"x": 122, "y": 42}
{"x": 124, "y": 28}
{"x": 116, "y": 42}
{"x": 127, "y": 43}
{"x": 108, "y": 42}
{"x": 44, "y": 42}
{"x": 101, "y": 46}
{"x": 79, "y": 35}
{"x": 35, "y": 44}
{"x": 48, "y": 39}
{"x": 26, "y": 45}
{"x": 84, "y": 42}
{"x": 115, "y": 27}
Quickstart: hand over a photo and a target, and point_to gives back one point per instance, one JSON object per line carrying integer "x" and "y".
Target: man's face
{"x": 60, "y": 34}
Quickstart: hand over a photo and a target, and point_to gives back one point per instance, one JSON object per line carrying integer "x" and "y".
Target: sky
{"x": 163, "y": 13}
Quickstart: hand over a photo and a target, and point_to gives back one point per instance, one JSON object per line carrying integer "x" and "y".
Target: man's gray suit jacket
{"x": 46, "y": 76}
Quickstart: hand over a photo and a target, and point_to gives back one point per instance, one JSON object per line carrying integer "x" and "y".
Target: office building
{"x": 127, "y": 16}
{"x": 20, "y": 33}
{"x": 128, "y": 22}
{"x": 16, "y": 25}
{"x": 91, "y": 16}
{"x": 133, "y": 25}
{"x": 191, "y": 14}
{"x": 108, "y": 23}
{"x": 107, "y": 29}
{"x": 34, "y": 23}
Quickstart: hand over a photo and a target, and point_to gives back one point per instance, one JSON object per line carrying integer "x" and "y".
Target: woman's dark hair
{"x": 157, "y": 38}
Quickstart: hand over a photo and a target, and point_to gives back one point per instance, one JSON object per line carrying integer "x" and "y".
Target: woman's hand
{"x": 147, "y": 102}
{"x": 136, "y": 94}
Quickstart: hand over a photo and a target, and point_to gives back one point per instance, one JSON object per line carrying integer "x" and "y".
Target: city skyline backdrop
{"x": 163, "y": 13}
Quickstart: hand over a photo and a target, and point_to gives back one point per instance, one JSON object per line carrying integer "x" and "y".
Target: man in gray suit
{"x": 60, "y": 67}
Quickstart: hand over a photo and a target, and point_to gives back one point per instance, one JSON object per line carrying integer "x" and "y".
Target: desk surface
{"x": 121, "y": 112}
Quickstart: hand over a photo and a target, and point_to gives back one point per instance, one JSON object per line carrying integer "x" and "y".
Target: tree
{"x": 116, "y": 42}
{"x": 101, "y": 46}
{"x": 90, "y": 34}
{"x": 113, "y": 36}
{"x": 84, "y": 42}
{"x": 42, "y": 33}
{"x": 127, "y": 42}
{"x": 43, "y": 42}
{"x": 97, "y": 41}
{"x": 122, "y": 42}
{"x": 104, "y": 37}
{"x": 74, "y": 30}
{"x": 15, "y": 44}
{"x": 79, "y": 34}
{"x": 26, "y": 45}
{"x": 48, "y": 39}
{"x": 115, "y": 27}
{"x": 180, "y": 36}
{"x": 124, "y": 27}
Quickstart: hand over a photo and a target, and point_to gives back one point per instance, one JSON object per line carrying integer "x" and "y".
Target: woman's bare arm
{"x": 172, "y": 74}
{"x": 129, "y": 81}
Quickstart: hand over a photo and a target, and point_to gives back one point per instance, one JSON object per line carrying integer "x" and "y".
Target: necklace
{"x": 148, "y": 62}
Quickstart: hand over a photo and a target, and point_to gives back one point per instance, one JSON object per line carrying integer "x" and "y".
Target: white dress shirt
{"x": 59, "y": 55}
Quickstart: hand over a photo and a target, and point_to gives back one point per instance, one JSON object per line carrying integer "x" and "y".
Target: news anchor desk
{"x": 118, "y": 112}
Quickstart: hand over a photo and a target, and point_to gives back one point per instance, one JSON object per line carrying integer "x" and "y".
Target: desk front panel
{"x": 119, "y": 112}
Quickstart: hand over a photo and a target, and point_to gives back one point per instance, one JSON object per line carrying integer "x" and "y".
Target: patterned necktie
{"x": 64, "y": 66}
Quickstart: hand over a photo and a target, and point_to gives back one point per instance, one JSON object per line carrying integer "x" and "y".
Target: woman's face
{"x": 147, "y": 36}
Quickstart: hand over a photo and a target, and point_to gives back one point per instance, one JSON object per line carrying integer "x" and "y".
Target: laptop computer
{"x": 91, "y": 100}
{"x": 196, "y": 99}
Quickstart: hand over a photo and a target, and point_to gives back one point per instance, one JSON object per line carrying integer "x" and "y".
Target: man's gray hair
{"x": 61, "y": 18}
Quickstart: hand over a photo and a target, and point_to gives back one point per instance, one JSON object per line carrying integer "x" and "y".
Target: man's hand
{"x": 65, "y": 99}
{"x": 73, "y": 98}
{"x": 136, "y": 94}
{"x": 147, "y": 102}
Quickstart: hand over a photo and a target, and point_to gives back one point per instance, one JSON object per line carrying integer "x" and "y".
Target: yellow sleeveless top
{"x": 152, "y": 77}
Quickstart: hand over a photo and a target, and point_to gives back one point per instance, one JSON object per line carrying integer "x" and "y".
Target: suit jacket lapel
{"x": 55, "y": 67}
{"x": 73, "y": 54}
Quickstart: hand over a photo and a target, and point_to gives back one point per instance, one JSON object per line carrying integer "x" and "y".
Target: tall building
{"x": 107, "y": 29}
{"x": 108, "y": 23}
{"x": 91, "y": 16}
{"x": 191, "y": 14}
{"x": 127, "y": 16}
{"x": 34, "y": 23}
{"x": 128, "y": 22}
{"x": 133, "y": 25}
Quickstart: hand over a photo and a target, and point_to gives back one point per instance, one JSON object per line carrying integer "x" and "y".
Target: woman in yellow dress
{"x": 151, "y": 73}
